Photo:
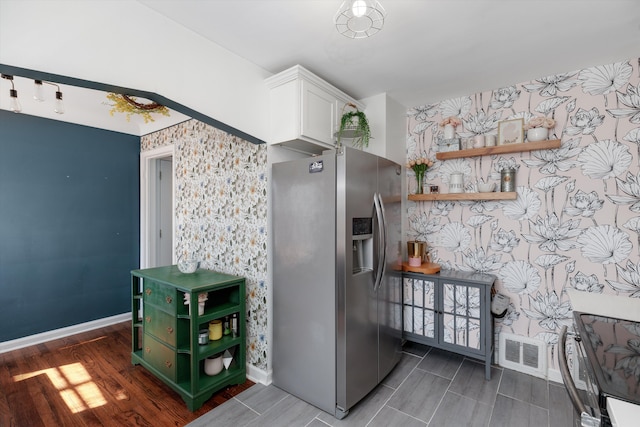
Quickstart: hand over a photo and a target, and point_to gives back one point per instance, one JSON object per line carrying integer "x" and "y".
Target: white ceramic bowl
{"x": 486, "y": 187}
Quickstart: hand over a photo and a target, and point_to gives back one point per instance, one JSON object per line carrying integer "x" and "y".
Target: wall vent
{"x": 523, "y": 354}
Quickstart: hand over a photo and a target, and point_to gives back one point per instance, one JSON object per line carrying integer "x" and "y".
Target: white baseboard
{"x": 258, "y": 375}
{"x": 554, "y": 375}
{"x": 62, "y": 332}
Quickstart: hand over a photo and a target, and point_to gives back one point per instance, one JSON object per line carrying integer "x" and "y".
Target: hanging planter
{"x": 355, "y": 126}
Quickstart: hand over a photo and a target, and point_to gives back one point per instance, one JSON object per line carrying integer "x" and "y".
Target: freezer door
{"x": 304, "y": 297}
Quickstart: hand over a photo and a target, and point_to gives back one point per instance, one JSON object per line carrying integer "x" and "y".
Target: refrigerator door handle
{"x": 383, "y": 244}
{"x": 379, "y": 270}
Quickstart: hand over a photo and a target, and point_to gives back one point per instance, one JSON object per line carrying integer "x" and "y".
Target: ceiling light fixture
{"x": 358, "y": 19}
{"x": 14, "y": 103}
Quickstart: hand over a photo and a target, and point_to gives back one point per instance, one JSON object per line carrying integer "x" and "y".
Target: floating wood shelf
{"x": 500, "y": 149}
{"x": 509, "y": 195}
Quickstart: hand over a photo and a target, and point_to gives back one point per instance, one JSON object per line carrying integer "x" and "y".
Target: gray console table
{"x": 450, "y": 310}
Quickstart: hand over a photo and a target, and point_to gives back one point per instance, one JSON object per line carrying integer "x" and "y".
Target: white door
{"x": 164, "y": 216}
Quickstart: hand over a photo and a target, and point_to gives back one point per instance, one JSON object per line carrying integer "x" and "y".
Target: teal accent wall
{"x": 69, "y": 223}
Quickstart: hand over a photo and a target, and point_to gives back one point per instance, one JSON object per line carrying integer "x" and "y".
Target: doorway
{"x": 157, "y": 207}
{"x": 163, "y": 211}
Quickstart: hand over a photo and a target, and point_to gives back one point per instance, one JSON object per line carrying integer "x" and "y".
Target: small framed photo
{"x": 511, "y": 131}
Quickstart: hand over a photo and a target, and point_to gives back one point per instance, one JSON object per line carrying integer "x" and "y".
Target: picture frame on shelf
{"x": 511, "y": 131}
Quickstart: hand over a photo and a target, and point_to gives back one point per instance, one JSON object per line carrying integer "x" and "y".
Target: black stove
{"x": 612, "y": 350}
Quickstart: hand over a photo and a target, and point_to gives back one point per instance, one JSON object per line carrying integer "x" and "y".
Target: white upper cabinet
{"x": 317, "y": 114}
{"x": 305, "y": 110}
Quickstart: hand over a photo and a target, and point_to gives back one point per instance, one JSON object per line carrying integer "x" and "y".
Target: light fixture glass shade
{"x": 14, "y": 103}
{"x": 359, "y": 8}
{"x": 59, "y": 105}
{"x": 358, "y": 19}
{"x": 38, "y": 92}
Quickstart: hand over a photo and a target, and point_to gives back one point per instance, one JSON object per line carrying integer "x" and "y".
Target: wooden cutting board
{"x": 426, "y": 268}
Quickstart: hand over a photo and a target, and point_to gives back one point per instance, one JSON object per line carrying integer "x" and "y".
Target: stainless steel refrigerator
{"x": 337, "y": 286}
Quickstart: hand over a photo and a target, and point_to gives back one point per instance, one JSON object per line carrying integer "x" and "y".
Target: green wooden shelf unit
{"x": 165, "y": 331}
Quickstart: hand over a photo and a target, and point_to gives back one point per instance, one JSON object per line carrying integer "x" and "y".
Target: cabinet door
{"x": 461, "y": 315}
{"x": 318, "y": 115}
{"x": 419, "y": 307}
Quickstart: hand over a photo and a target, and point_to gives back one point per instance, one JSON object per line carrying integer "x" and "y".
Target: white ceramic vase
{"x": 537, "y": 134}
{"x": 449, "y": 132}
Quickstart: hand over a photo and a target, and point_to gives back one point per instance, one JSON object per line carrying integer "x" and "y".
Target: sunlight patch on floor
{"x": 75, "y": 386}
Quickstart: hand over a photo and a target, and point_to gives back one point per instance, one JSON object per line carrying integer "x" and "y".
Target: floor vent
{"x": 523, "y": 354}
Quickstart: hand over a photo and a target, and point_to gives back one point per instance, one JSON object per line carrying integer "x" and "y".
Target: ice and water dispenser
{"x": 362, "y": 232}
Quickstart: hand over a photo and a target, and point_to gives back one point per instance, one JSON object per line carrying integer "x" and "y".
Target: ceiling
{"x": 428, "y": 50}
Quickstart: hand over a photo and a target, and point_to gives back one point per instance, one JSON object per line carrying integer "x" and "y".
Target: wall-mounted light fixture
{"x": 38, "y": 91}
{"x": 58, "y": 106}
{"x": 14, "y": 103}
{"x": 38, "y": 95}
{"x": 358, "y": 19}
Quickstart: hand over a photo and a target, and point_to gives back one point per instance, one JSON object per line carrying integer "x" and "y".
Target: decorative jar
{"x": 478, "y": 141}
{"x": 456, "y": 183}
{"x": 203, "y": 337}
{"x": 215, "y": 330}
{"x": 507, "y": 180}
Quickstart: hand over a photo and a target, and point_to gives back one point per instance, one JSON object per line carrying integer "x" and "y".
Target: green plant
{"x": 358, "y": 130}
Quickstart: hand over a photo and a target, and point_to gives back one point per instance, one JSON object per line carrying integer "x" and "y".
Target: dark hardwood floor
{"x": 88, "y": 380}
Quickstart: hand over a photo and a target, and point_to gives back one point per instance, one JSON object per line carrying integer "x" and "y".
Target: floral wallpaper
{"x": 576, "y": 220}
{"x": 221, "y": 212}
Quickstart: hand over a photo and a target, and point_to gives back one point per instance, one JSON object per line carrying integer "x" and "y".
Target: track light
{"x": 38, "y": 95}
{"x": 14, "y": 103}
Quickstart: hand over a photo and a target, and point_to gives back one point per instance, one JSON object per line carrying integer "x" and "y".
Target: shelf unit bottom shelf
{"x": 208, "y": 385}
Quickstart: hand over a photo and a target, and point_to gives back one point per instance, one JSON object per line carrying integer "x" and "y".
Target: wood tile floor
{"x": 429, "y": 387}
{"x": 88, "y": 380}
